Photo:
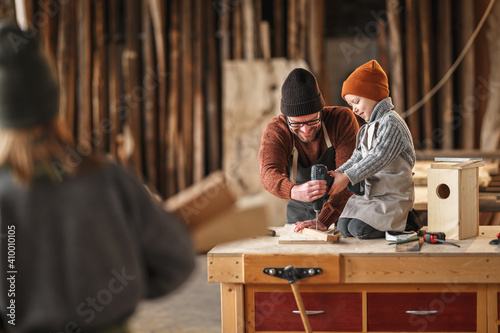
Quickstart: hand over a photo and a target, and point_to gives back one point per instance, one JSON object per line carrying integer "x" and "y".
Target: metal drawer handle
{"x": 422, "y": 313}
{"x": 309, "y": 313}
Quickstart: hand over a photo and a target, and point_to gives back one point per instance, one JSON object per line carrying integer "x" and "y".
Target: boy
{"x": 383, "y": 159}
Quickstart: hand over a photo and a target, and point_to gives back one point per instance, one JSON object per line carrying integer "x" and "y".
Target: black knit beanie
{"x": 300, "y": 94}
{"x": 28, "y": 84}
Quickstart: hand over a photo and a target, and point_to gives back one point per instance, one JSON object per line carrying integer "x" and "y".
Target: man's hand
{"x": 309, "y": 191}
{"x": 340, "y": 182}
{"x": 311, "y": 224}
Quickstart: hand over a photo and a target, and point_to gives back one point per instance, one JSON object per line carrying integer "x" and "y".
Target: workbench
{"x": 364, "y": 285}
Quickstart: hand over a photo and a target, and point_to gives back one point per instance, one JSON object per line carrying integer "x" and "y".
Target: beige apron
{"x": 389, "y": 194}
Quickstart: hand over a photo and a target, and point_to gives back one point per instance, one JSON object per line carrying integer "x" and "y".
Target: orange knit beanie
{"x": 368, "y": 81}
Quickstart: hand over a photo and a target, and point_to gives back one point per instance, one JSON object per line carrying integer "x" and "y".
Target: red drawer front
{"x": 342, "y": 312}
{"x": 455, "y": 312}
{"x": 498, "y": 306}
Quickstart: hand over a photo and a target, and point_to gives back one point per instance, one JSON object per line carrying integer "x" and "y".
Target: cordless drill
{"x": 318, "y": 172}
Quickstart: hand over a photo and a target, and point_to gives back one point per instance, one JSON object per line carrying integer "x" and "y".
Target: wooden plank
{"x": 202, "y": 200}
{"x": 213, "y": 100}
{"x": 237, "y": 32}
{"x": 412, "y": 77}
{"x": 328, "y": 236}
{"x": 157, "y": 10}
{"x": 100, "y": 116}
{"x": 431, "y": 154}
{"x": 490, "y": 131}
{"x": 199, "y": 100}
{"x": 241, "y": 220}
{"x": 150, "y": 96}
{"x": 425, "y": 15}
{"x": 292, "y": 37}
{"x": 278, "y": 28}
{"x": 224, "y": 32}
{"x": 255, "y": 264}
{"x": 225, "y": 269}
{"x": 265, "y": 40}
{"x": 84, "y": 49}
{"x": 172, "y": 134}
{"x": 394, "y": 17}
{"x": 232, "y": 308}
{"x": 116, "y": 112}
{"x": 185, "y": 158}
{"x": 302, "y": 25}
{"x": 467, "y": 77}
{"x": 132, "y": 81}
{"x": 248, "y": 29}
{"x": 461, "y": 165}
{"x": 444, "y": 60}
{"x": 66, "y": 61}
{"x": 404, "y": 269}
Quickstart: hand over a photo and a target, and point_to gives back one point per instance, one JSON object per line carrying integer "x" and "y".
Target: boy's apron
{"x": 302, "y": 211}
{"x": 389, "y": 194}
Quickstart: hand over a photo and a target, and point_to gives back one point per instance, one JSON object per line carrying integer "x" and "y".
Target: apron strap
{"x": 325, "y": 134}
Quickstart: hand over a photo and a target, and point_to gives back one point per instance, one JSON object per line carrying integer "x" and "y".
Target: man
{"x": 306, "y": 133}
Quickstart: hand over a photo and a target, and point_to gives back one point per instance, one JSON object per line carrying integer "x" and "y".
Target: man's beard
{"x": 309, "y": 138}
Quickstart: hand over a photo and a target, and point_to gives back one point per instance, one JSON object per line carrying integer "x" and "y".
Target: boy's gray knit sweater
{"x": 393, "y": 139}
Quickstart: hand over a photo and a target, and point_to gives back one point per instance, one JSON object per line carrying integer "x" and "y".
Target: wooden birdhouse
{"x": 453, "y": 199}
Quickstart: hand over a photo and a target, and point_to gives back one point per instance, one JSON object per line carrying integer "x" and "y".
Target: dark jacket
{"x": 81, "y": 253}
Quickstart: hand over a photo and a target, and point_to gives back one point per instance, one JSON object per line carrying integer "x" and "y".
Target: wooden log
{"x": 66, "y": 61}
{"x": 157, "y": 12}
{"x": 150, "y": 96}
{"x": 394, "y": 10}
{"x": 185, "y": 160}
{"x": 425, "y": 15}
{"x": 132, "y": 82}
{"x": 466, "y": 83}
{"x": 100, "y": 132}
{"x": 116, "y": 106}
{"x": 84, "y": 49}
{"x": 412, "y": 69}
{"x": 198, "y": 105}
{"x": 444, "y": 61}
{"x": 173, "y": 98}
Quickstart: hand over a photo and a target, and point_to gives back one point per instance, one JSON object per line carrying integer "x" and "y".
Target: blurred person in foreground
{"x": 82, "y": 242}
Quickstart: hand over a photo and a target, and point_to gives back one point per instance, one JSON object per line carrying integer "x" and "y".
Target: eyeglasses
{"x": 305, "y": 123}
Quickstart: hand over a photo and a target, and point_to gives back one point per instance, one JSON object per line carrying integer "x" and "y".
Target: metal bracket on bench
{"x": 292, "y": 274}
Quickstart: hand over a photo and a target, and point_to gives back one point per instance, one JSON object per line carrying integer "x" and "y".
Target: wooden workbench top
{"x": 358, "y": 247}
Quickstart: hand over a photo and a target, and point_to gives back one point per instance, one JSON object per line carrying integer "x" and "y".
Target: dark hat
{"x": 300, "y": 94}
{"x": 28, "y": 84}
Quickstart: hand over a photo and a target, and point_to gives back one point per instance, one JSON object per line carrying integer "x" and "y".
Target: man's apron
{"x": 302, "y": 211}
{"x": 389, "y": 194}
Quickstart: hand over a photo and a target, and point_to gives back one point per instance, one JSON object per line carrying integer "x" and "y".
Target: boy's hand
{"x": 340, "y": 182}
{"x": 311, "y": 224}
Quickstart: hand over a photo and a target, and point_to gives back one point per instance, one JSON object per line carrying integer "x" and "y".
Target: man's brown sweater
{"x": 276, "y": 149}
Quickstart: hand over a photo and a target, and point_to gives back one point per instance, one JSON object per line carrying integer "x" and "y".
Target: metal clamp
{"x": 292, "y": 274}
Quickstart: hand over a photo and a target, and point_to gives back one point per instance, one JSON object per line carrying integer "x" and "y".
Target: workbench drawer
{"x": 335, "y": 312}
{"x": 422, "y": 312}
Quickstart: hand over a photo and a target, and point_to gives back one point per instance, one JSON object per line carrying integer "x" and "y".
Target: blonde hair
{"x": 42, "y": 150}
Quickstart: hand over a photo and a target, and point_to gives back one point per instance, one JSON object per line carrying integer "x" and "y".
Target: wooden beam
{"x": 84, "y": 49}
{"x": 412, "y": 79}
{"x": 199, "y": 100}
{"x": 425, "y": 15}
{"x": 66, "y": 61}
{"x": 444, "y": 60}
{"x": 394, "y": 16}
{"x": 466, "y": 70}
